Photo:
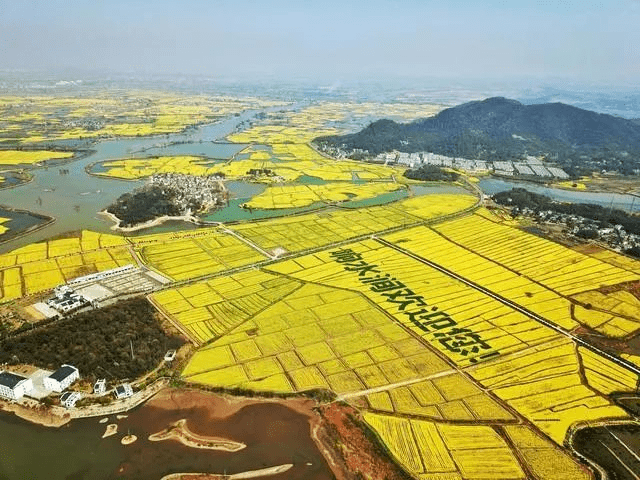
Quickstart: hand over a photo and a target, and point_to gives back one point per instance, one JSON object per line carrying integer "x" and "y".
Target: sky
{"x": 591, "y": 41}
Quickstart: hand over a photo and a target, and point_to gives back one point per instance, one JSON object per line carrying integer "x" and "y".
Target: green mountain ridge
{"x": 503, "y": 129}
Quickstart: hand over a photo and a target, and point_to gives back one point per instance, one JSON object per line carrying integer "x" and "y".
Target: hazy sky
{"x": 586, "y": 40}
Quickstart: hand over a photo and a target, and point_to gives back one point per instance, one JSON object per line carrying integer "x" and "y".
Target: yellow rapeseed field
{"x": 41, "y": 266}
{"x": 310, "y": 334}
{"x": 424, "y": 448}
{"x": 532, "y": 368}
{"x": 533, "y": 272}
{"x": 210, "y": 309}
{"x": 292, "y": 196}
{"x": 18, "y": 157}
{"x": 544, "y": 385}
{"x": 615, "y": 314}
{"x": 34, "y": 119}
{"x": 3, "y": 228}
{"x": 558, "y": 268}
{"x": 194, "y": 253}
{"x": 301, "y": 232}
{"x": 461, "y": 306}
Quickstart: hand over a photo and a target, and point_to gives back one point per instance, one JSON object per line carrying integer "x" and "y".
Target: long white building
{"x": 14, "y": 386}
{"x": 61, "y": 378}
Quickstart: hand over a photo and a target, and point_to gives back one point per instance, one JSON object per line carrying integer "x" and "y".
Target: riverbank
{"x": 14, "y": 234}
{"x": 592, "y": 449}
{"x": 613, "y": 184}
{"x": 263, "y": 472}
{"x": 335, "y": 428}
{"x": 180, "y": 432}
{"x": 23, "y": 176}
{"x": 55, "y": 416}
{"x": 149, "y": 224}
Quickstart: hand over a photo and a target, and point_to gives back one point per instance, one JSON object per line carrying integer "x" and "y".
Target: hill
{"x": 502, "y": 129}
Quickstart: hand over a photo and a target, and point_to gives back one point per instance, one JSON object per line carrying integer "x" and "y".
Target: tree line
{"x": 522, "y": 198}
{"x": 431, "y": 173}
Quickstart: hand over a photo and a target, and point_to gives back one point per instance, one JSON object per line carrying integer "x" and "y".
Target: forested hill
{"x": 503, "y": 129}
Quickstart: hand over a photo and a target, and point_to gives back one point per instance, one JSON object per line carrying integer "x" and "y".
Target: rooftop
{"x": 10, "y": 380}
{"x": 63, "y": 372}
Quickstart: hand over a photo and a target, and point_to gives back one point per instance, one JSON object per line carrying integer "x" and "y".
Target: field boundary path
{"x": 583, "y": 343}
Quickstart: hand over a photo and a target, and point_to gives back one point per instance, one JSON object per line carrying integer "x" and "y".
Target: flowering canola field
{"x": 193, "y": 253}
{"x": 549, "y": 279}
{"x": 42, "y": 266}
{"x": 19, "y": 157}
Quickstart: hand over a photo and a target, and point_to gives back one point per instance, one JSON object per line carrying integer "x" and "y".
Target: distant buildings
{"x": 60, "y": 380}
{"x": 614, "y": 236}
{"x": 529, "y": 167}
{"x": 14, "y": 386}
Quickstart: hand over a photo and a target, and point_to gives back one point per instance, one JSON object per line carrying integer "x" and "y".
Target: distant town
{"x": 531, "y": 167}
{"x": 615, "y": 236}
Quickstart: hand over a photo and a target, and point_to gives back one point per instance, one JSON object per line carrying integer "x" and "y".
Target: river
{"x": 74, "y": 199}
{"x": 273, "y": 433}
{"x": 627, "y": 203}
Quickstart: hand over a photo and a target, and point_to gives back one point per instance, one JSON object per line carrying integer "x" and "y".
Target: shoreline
{"x": 148, "y": 224}
{"x": 180, "y": 431}
{"x": 16, "y": 185}
{"x": 574, "y": 429}
{"x": 591, "y": 188}
{"x": 37, "y": 413}
{"x": 263, "y": 472}
{"x": 34, "y": 228}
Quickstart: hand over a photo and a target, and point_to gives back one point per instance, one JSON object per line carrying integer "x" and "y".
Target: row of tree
{"x": 431, "y": 173}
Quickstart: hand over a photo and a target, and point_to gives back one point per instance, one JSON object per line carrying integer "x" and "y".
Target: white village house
{"x": 123, "y": 391}
{"x": 14, "y": 386}
{"x": 69, "y": 399}
{"x": 100, "y": 387}
{"x": 61, "y": 378}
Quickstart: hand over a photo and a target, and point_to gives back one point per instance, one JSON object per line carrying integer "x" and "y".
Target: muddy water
{"x": 274, "y": 435}
{"x": 614, "y": 448}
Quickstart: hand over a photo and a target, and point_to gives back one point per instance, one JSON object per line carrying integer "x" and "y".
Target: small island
{"x": 166, "y": 196}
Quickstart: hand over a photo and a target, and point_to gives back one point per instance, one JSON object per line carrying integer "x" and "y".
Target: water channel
{"x": 624, "y": 202}
{"x": 74, "y": 198}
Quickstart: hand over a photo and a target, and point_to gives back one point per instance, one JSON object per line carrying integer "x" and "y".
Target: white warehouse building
{"x": 61, "y": 378}
{"x": 14, "y": 386}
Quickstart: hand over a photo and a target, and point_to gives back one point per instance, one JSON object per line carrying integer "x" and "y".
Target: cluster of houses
{"x": 614, "y": 236}
{"x": 65, "y": 299}
{"x": 96, "y": 287}
{"x": 87, "y": 124}
{"x": 191, "y": 189}
{"x": 14, "y": 386}
{"x": 529, "y": 167}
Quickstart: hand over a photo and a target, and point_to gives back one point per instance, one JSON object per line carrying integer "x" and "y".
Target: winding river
{"x": 74, "y": 198}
